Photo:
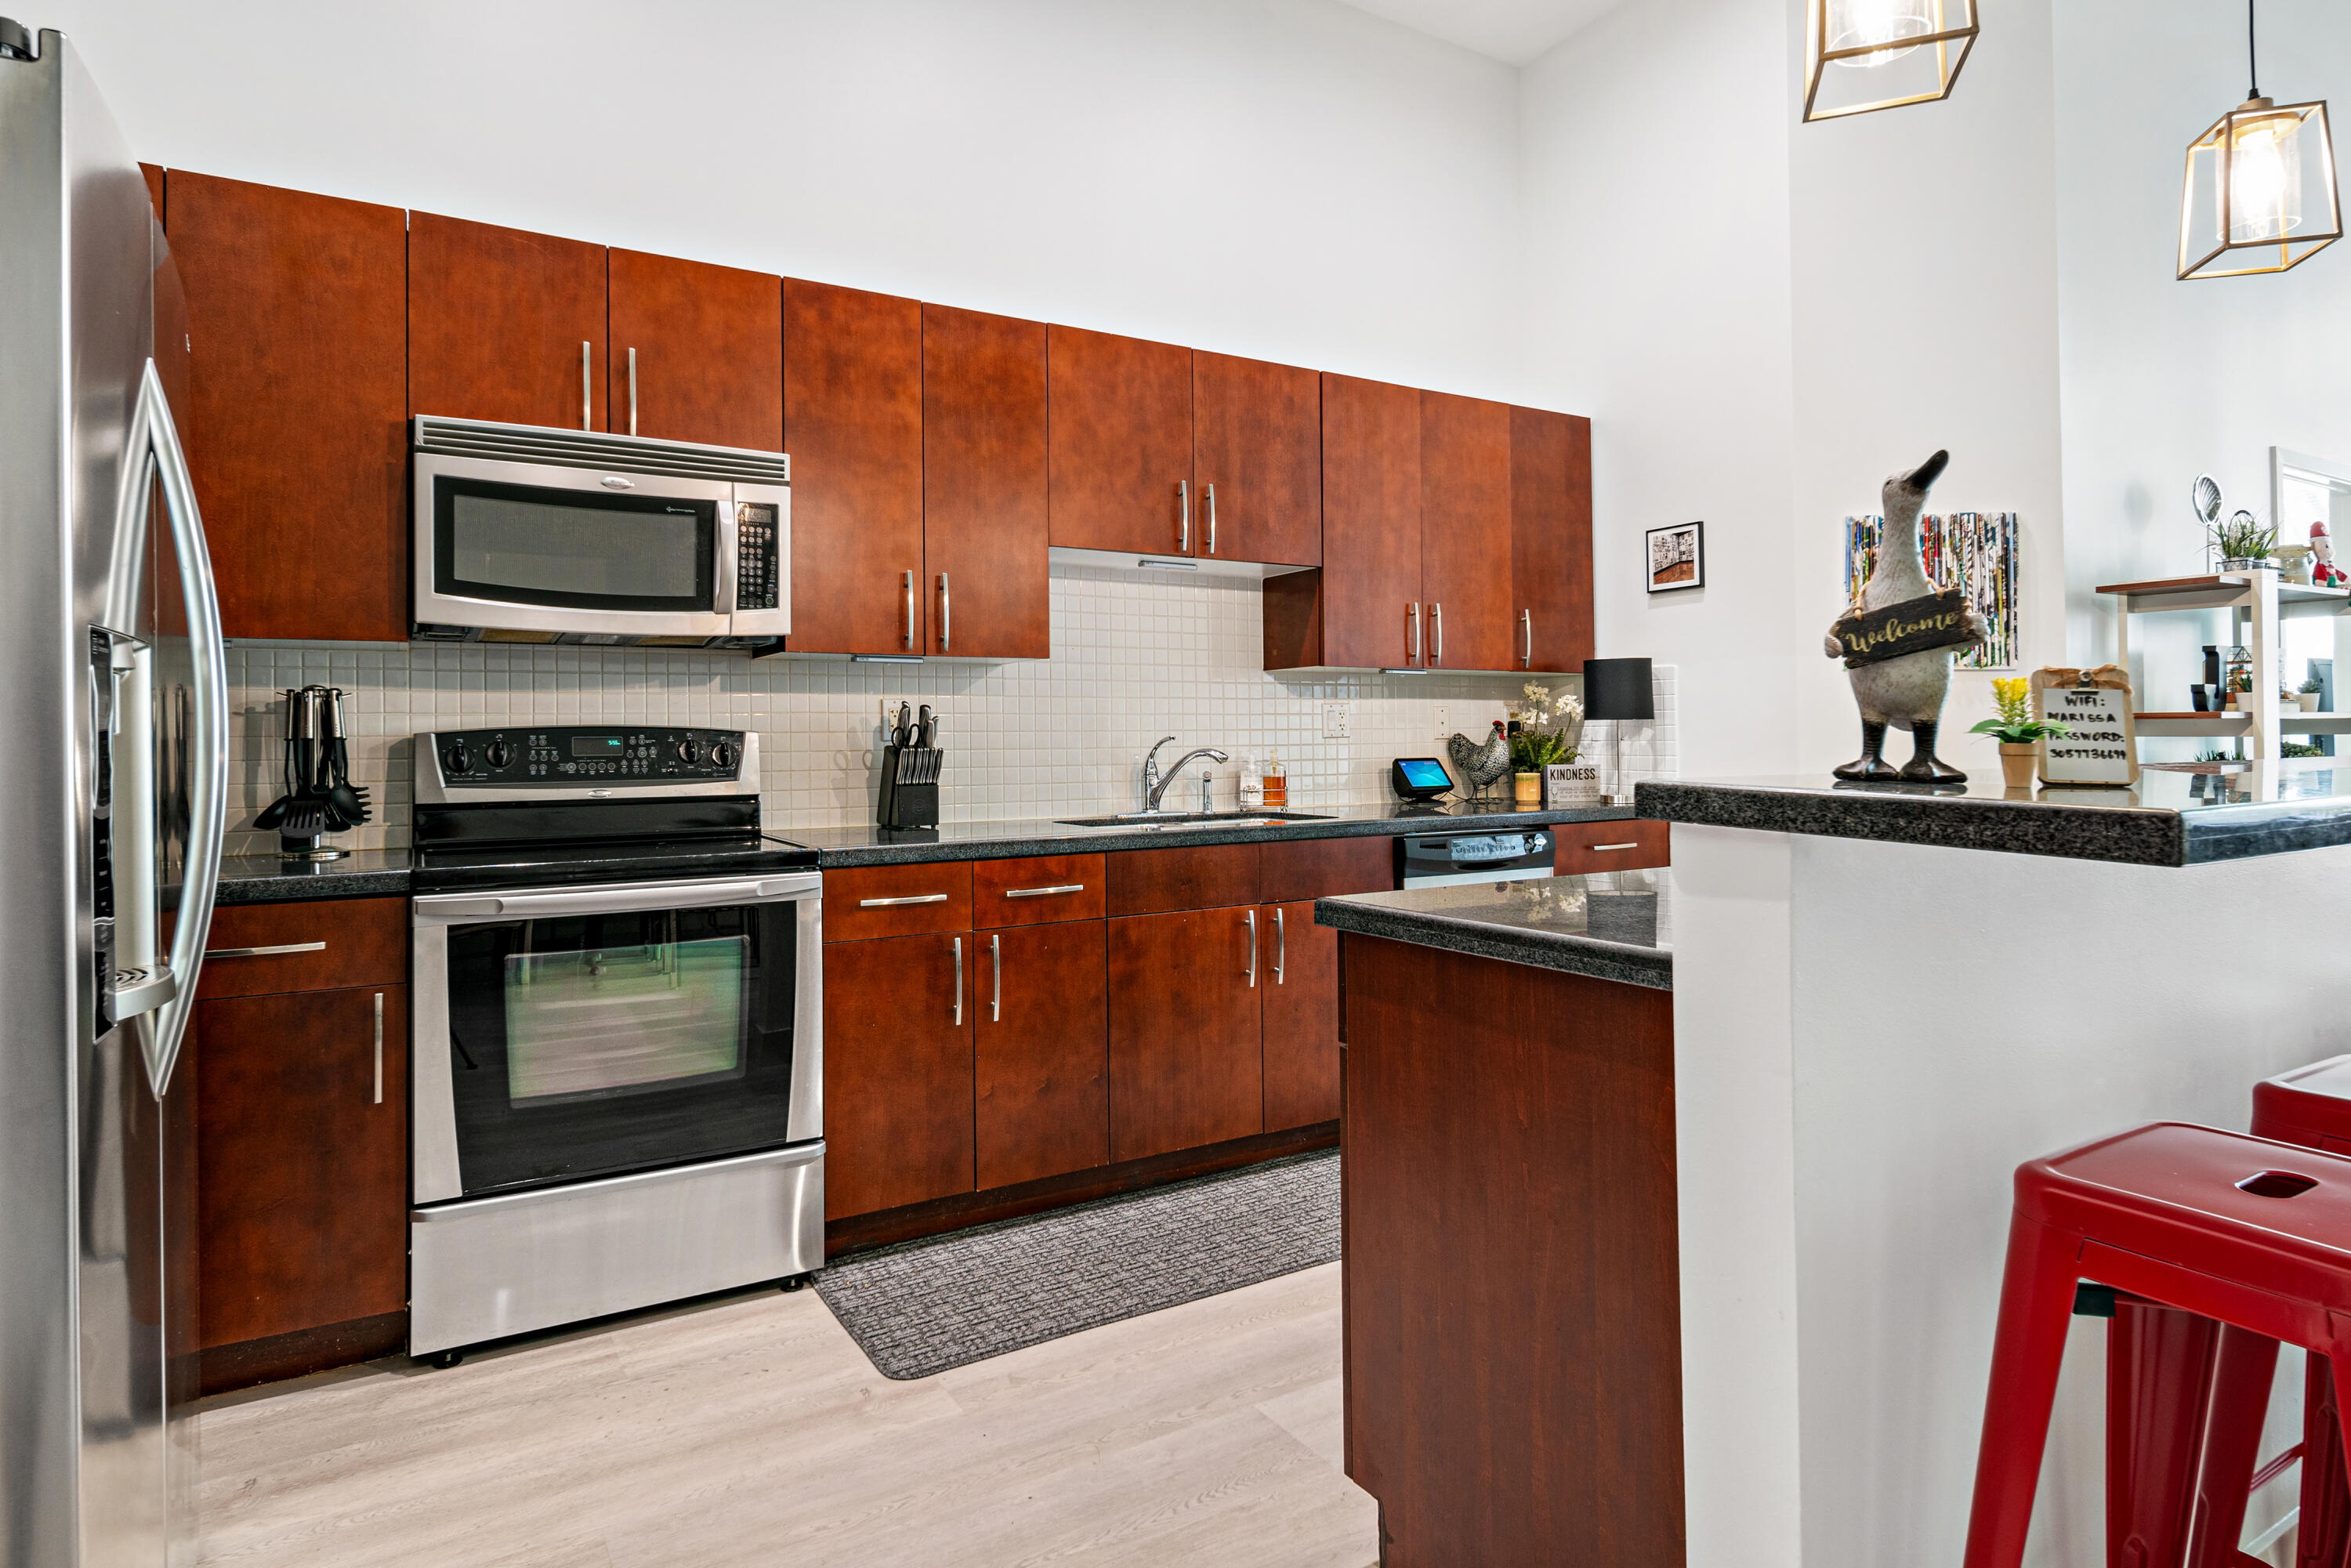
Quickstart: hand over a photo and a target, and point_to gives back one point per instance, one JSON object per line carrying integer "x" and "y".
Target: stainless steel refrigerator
{"x": 113, "y": 767}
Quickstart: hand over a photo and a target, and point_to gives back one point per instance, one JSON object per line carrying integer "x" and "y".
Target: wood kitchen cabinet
{"x": 1040, "y": 1058}
{"x": 984, "y": 486}
{"x": 1120, "y": 447}
{"x": 1465, "y": 533}
{"x": 897, "y": 1072}
{"x": 1302, "y": 1017}
{"x": 1257, "y": 461}
{"x": 853, "y": 425}
{"x": 1186, "y": 1049}
{"x": 708, "y": 351}
{"x": 1551, "y": 539}
{"x": 1361, "y": 609}
{"x": 294, "y": 418}
{"x": 504, "y": 324}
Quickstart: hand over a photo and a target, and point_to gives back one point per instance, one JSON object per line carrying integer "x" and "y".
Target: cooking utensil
{"x": 348, "y": 804}
{"x": 902, "y": 733}
{"x": 923, "y": 727}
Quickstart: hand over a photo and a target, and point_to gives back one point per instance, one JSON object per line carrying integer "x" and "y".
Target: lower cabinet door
{"x": 1185, "y": 1029}
{"x": 1041, "y": 1052}
{"x": 1300, "y": 981}
{"x": 897, "y": 1072}
{"x": 301, "y": 1160}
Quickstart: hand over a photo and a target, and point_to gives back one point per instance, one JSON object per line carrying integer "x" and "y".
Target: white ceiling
{"x": 1516, "y": 32}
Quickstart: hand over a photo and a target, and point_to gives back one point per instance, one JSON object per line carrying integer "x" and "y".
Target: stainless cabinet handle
{"x": 1251, "y": 916}
{"x": 1183, "y": 516}
{"x": 996, "y": 960}
{"x": 378, "y": 1048}
{"x": 1597, "y": 848}
{"x": 1415, "y": 654}
{"x": 910, "y": 609}
{"x": 1436, "y": 625}
{"x": 1527, "y": 625}
{"x": 632, "y": 389}
{"x": 265, "y": 952}
{"x": 946, "y": 615}
{"x": 1209, "y": 494}
{"x": 958, "y": 979}
{"x": 1044, "y": 892}
{"x": 587, "y": 416}
{"x": 1281, "y": 947}
{"x": 900, "y": 903}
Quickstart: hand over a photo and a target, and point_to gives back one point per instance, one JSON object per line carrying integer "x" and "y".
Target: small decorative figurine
{"x": 1897, "y": 642}
{"x": 1480, "y": 766}
{"x": 2324, "y": 572}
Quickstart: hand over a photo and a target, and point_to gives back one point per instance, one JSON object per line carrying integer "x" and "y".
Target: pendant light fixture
{"x": 2259, "y": 191}
{"x": 1865, "y": 55}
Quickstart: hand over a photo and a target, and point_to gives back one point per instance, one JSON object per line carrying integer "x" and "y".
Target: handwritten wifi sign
{"x": 1913, "y": 626}
{"x": 2095, "y": 706}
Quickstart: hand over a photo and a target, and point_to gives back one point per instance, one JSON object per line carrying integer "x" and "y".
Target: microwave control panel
{"x": 756, "y": 564}
{"x": 560, "y": 758}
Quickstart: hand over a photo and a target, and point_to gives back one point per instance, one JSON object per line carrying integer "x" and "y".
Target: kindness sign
{"x": 1913, "y": 626}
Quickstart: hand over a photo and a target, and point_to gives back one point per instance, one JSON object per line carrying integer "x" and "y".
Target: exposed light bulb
{"x": 1860, "y": 23}
{"x": 2264, "y": 179}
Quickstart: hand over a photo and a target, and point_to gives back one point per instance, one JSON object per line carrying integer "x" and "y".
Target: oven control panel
{"x": 562, "y": 757}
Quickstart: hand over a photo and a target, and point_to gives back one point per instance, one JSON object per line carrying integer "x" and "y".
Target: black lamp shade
{"x": 1618, "y": 689}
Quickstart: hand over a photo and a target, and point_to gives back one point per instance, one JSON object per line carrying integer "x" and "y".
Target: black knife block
{"x": 910, "y": 786}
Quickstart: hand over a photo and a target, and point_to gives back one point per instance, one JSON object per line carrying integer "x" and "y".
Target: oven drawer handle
{"x": 1044, "y": 892}
{"x": 211, "y": 953}
{"x": 901, "y": 903}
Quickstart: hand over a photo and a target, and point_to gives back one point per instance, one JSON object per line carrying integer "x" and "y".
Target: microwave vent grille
{"x": 597, "y": 449}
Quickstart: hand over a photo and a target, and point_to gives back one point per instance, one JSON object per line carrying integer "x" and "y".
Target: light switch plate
{"x": 1334, "y": 721}
{"x": 1444, "y": 723}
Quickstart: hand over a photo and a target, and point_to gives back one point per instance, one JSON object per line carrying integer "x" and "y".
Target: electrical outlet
{"x": 1334, "y": 721}
{"x": 1444, "y": 723}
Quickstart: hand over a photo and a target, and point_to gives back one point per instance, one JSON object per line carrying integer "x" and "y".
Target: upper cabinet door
{"x": 497, "y": 322}
{"x": 1257, "y": 456}
{"x": 1122, "y": 445}
{"x": 698, "y": 352}
{"x": 298, "y": 372}
{"x": 1465, "y": 533}
{"x": 984, "y": 467}
{"x": 1363, "y": 610}
{"x": 1551, "y": 540}
{"x": 853, "y": 424}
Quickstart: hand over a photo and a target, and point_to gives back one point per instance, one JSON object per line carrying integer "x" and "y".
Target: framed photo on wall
{"x": 1676, "y": 558}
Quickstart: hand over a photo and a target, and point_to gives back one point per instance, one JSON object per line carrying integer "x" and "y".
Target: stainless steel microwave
{"x": 525, "y": 534}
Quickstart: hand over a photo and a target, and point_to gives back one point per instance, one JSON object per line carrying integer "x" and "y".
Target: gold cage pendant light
{"x": 1866, "y": 55}
{"x": 2259, "y": 193}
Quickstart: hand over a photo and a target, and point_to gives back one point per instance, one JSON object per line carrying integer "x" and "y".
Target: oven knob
{"x": 457, "y": 757}
{"x": 722, "y": 755}
{"x": 499, "y": 754}
{"x": 689, "y": 751}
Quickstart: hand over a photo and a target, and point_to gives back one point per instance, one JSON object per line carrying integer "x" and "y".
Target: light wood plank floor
{"x": 753, "y": 1430}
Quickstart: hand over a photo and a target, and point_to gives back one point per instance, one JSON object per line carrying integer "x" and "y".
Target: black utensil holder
{"x": 910, "y": 786}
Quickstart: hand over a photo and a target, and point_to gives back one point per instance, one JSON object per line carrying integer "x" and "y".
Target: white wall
{"x": 1292, "y": 179}
{"x": 1656, "y": 194}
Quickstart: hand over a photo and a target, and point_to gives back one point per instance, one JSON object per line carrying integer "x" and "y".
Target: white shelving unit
{"x": 2259, "y": 603}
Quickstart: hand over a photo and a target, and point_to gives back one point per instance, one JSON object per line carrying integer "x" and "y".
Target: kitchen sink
{"x": 1195, "y": 819}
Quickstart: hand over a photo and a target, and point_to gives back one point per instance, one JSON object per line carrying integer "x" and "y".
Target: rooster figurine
{"x": 1478, "y": 765}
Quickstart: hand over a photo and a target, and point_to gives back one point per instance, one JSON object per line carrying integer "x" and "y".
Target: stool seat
{"x": 2310, "y": 1106}
{"x": 2250, "y": 1232}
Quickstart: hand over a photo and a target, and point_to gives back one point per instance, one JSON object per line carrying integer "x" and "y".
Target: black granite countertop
{"x": 267, "y": 878}
{"x": 2168, "y": 819}
{"x": 840, "y": 847}
{"x": 1562, "y": 923}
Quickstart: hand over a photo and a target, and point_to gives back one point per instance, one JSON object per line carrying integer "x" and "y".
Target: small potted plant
{"x": 1531, "y": 751}
{"x": 2017, "y": 729}
{"x": 2245, "y": 543}
{"x": 2307, "y": 697}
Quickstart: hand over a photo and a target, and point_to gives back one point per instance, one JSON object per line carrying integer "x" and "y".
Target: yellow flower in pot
{"x": 2017, "y": 729}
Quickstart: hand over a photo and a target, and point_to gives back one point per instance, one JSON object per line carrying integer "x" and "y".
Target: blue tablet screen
{"x": 1425, "y": 773}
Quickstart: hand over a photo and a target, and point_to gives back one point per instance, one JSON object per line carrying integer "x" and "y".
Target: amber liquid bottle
{"x": 1277, "y": 785}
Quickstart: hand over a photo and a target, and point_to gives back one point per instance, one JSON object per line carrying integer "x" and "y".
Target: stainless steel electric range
{"x": 618, "y": 1035}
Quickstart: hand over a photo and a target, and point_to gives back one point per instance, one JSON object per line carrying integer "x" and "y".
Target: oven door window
{"x": 601, "y": 1043}
{"x": 586, "y": 550}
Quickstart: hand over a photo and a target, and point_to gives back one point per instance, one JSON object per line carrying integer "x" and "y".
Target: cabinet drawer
{"x": 896, "y": 901}
{"x": 262, "y": 950}
{"x": 1328, "y": 868}
{"x": 1210, "y": 876}
{"x": 1035, "y": 892}
{"x": 1627, "y": 845}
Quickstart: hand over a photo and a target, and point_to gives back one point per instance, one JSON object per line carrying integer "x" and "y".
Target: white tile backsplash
{"x": 1136, "y": 655}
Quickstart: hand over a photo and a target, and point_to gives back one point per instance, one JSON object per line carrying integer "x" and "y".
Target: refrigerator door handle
{"x": 153, "y": 454}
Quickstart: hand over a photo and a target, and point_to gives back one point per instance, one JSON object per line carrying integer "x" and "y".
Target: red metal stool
{"x": 2312, "y": 1106}
{"x": 2253, "y": 1234}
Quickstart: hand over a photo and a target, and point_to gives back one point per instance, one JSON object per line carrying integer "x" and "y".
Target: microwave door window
{"x": 520, "y": 544}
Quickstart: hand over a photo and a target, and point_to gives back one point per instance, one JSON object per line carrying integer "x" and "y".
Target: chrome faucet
{"x": 1154, "y": 783}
